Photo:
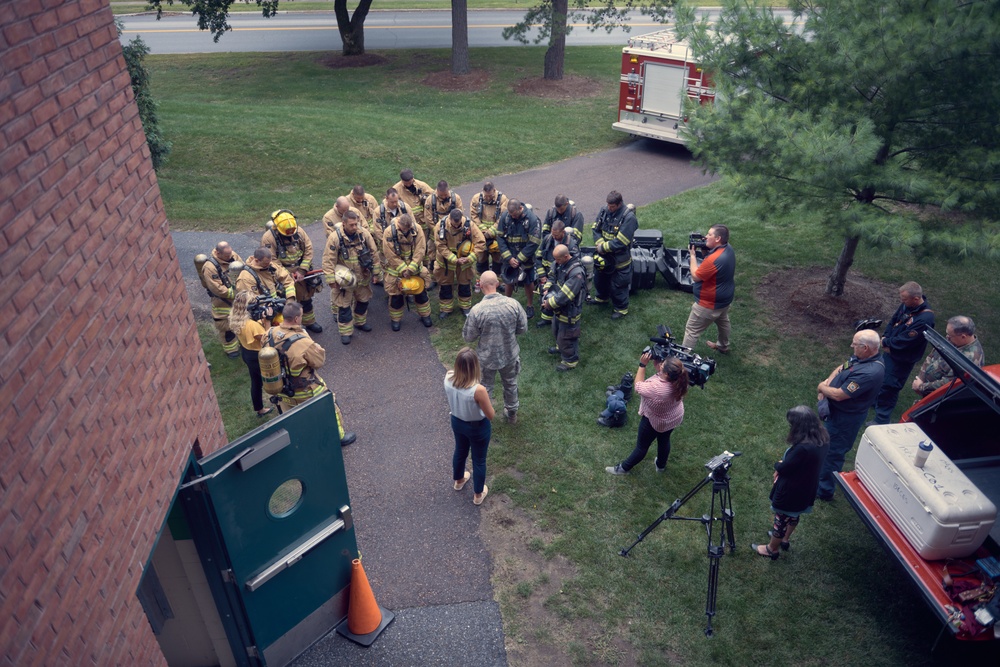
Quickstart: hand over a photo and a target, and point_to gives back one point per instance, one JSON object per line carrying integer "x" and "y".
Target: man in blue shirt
{"x": 851, "y": 390}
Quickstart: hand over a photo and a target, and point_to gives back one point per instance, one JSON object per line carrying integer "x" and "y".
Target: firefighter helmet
{"x": 600, "y": 263}
{"x": 411, "y": 286}
{"x": 465, "y": 248}
{"x": 345, "y": 277}
{"x": 284, "y": 222}
{"x": 510, "y": 274}
{"x": 494, "y": 246}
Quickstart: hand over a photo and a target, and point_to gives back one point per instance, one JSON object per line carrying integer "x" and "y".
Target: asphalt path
{"x": 422, "y": 550}
{"x": 317, "y": 31}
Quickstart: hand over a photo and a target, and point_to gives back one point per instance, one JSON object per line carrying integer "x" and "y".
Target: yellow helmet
{"x": 494, "y": 246}
{"x": 464, "y": 248}
{"x": 412, "y": 286}
{"x": 284, "y": 221}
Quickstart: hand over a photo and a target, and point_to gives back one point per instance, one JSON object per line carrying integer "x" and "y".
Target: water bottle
{"x": 923, "y": 451}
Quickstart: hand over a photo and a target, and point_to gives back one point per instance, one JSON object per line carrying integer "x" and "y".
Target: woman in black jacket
{"x": 796, "y": 478}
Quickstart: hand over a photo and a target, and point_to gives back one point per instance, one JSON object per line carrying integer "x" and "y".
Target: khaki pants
{"x": 700, "y": 319}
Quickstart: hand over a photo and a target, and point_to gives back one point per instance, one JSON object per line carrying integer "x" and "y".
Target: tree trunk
{"x": 835, "y": 286}
{"x": 352, "y": 28}
{"x": 459, "y": 38}
{"x": 555, "y": 55}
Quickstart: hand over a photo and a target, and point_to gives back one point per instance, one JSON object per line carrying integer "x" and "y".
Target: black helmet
{"x": 510, "y": 274}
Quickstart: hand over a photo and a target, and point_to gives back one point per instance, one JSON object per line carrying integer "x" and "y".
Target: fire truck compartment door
{"x": 282, "y": 514}
{"x": 661, "y": 89}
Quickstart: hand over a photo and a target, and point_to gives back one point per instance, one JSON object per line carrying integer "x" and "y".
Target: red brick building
{"x": 103, "y": 385}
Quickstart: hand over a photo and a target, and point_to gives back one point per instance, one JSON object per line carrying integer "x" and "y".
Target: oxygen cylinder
{"x": 235, "y": 269}
{"x": 199, "y": 264}
{"x": 270, "y": 370}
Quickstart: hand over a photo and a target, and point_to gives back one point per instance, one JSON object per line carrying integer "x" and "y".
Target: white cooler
{"x": 937, "y": 508}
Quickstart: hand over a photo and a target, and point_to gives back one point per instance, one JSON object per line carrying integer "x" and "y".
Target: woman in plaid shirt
{"x": 661, "y": 410}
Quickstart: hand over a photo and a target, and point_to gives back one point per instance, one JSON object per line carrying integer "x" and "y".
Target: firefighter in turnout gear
{"x": 215, "y": 278}
{"x": 413, "y": 193}
{"x": 301, "y": 358}
{"x": 560, "y": 234}
{"x": 404, "y": 246}
{"x": 519, "y": 232}
{"x": 350, "y": 246}
{"x": 564, "y": 299}
{"x": 438, "y": 205}
{"x": 264, "y": 276}
{"x": 368, "y": 207}
{"x": 335, "y": 215}
{"x": 458, "y": 242}
{"x": 294, "y": 251}
{"x": 390, "y": 209}
{"x": 485, "y": 210}
{"x": 566, "y": 211}
{"x": 613, "y": 232}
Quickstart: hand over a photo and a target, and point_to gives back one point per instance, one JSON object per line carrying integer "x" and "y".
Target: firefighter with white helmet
{"x": 264, "y": 276}
{"x": 458, "y": 242}
{"x": 301, "y": 359}
{"x": 518, "y": 233}
{"x": 292, "y": 247}
{"x": 613, "y": 232}
{"x": 214, "y": 274}
{"x": 349, "y": 264}
{"x": 404, "y": 245}
{"x": 485, "y": 210}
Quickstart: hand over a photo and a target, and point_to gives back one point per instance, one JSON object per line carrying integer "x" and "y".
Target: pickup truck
{"x": 962, "y": 418}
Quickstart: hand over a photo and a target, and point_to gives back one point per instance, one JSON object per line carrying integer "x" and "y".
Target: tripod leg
{"x": 714, "y": 554}
{"x": 727, "y": 518}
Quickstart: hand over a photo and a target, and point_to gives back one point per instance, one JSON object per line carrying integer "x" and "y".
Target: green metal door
{"x": 279, "y": 505}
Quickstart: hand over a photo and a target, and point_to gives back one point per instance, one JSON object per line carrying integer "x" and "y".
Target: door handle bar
{"x": 345, "y": 522}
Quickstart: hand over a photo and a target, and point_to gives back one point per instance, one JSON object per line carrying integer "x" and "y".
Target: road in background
{"x": 317, "y": 31}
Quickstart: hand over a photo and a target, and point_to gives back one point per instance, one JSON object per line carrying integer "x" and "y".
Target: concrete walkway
{"x": 419, "y": 538}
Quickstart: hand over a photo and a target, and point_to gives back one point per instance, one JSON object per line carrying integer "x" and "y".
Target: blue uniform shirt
{"x": 861, "y": 380}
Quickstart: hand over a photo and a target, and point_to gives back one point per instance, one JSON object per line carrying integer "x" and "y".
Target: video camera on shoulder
{"x": 699, "y": 368}
{"x": 697, "y": 240}
{"x": 269, "y": 306}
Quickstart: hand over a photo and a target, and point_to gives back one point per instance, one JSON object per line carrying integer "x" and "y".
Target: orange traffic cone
{"x": 363, "y": 615}
{"x": 365, "y": 618}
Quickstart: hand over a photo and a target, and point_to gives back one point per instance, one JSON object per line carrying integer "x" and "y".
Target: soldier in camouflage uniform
{"x": 215, "y": 277}
{"x": 351, "y": 246}
{"x": 935, "y": 371}
{"x": 294, "y": 250}
{"x": 496, "y": 322}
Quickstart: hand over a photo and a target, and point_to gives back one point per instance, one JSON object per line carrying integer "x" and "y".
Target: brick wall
{"x": 103, "y": 386}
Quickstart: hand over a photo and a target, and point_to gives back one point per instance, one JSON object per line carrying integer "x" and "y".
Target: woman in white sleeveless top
{"x": 471, "y": 412}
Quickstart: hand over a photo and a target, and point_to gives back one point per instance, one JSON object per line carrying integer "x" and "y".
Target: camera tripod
{"x": 718, "y": 477}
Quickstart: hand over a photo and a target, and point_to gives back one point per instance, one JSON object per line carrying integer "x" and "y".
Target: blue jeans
{"x": 896, "y": 375}
{"x": 474, "y": 436}
{"x": 643, "y": 440}
{"x": 843, "y": 429}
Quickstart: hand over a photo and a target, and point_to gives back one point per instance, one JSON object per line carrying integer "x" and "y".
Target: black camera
{"x": 697, "y": 240}
{"x": 698, "y": 368}
{"x": 723, "y": 461}
{"x": 269, "y": 306}
{"x": 365, "y": 259}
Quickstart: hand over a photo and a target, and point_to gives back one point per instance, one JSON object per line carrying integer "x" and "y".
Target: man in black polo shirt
{"x": 851, "y": 390}
{"x": 903, "y": 345}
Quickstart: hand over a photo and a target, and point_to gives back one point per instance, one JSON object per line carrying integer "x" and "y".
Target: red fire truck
{"x": 659, "y": 72}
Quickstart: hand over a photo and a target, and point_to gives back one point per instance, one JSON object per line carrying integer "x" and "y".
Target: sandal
{"x": 460, "y": 484}
{"x": 785, "y": 544}
{"x": 481, "y": 496}
{"x": 773, "y": 555}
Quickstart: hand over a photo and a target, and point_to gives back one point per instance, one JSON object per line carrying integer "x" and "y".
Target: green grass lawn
{"x": 251, "y": 131}
{"x": 249, "y": 128}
